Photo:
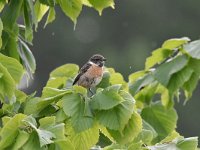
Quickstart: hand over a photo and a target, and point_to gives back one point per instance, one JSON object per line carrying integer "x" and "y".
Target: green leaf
{"x": 51, "y": 16}
{"x": 32, "y": 12}
{"x": 45, "y": 137}
{"x": 71, "y": 8}
{"x": 130, "y": 131}
{"x": 1, "y": 29}
{"x": 100, "y": 5}
{"x": 2, "y": 4}
{"x": 7, "y": 83}
{"x": 178, "y": 79}
{"x": 158, "y": 56}
{"x": 74, "y": 106}
{"x": 83, "y": 140}
{"x": 106, "y": 99}
{"x": 175, "y": 43}
{"x": 10, "y": 130}
{"x": 134, "y": 87}
{"x": 28, "y": 23}
{"x": 13, "y": 66}
{"x": 21, "y": 139}
{"x": 10, "y": 15}
{"x": 164, "y": 72}
{"x": 67, "y": 70}
{"x": 193, "y": 49}
{"x": 135, "y": 76}
{"x": 48, "y": 2}
{"x": 117, "y": 117}
{"x": 40, "y": 10}
{"x": 177, "y": 144}
{"x": 27, "y": 58}
{"x": 161, "y": 119}
{"x": 62, "y": 144}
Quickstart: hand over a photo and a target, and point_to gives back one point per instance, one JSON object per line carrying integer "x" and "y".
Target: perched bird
{"x": 91, "y": 73}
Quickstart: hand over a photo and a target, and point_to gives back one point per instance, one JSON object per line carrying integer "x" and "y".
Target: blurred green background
{"x": 126, "y": 36}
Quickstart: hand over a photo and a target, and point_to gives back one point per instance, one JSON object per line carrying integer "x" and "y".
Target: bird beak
{"x": 104, "y": 59}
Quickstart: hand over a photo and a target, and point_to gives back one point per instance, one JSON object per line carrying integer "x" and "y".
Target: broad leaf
{"x": 10, "y": 130}
{"x": 107, "y": 99}
{"x": 67, "y": 70}
{"x": 71, "y": 8}
{"x": 13, "y": 66}
{"x": 134, "y": 87}
{"x": 161, "y": 119}
{"x": 130, "y": 131}
{"x": 74, "y": 106}
{"x": 10, "y": 15}
{"x": 164, "y": 72}
{"x": 117, "y": 117}
{"x": 21, "y": 139}
{"x": 100, "y": 5}
{"x": 40, "y": 10}
{"x": 175, "y": 43}
{"x": 83, "y": 140}
{"x": 7, "y": 83}
{"x": 193, "y": 49}
{"x": 158, "y": 56}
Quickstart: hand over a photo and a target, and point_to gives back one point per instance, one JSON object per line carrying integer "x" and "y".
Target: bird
{"x": 90, "y": 74}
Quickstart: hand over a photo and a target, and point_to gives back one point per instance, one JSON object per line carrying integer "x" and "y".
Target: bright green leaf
{"x": 7, "y": 83}
{"x": 175, "y": 43}
{"x": 161, "y": 119}
{"x": 13, "y": 66}
{"x": 158, "y": 56}
{"x": 83, "y": 140}
{"x": 51, "y": 16}
{"x": 99, "y": 5}
{"x": 10, "y": 130}
{"x": 2, "y": 4}
{"x": 71, "y": 8}
{"x": 40, "y": 10}
{"x": 67, "y": 70}
{"x": 20, "y": 140}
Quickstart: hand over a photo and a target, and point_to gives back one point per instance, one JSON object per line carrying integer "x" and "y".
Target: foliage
{"x": 138, "y": 114}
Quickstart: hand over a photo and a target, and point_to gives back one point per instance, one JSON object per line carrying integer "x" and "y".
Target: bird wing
{"x": 81, "y": 72}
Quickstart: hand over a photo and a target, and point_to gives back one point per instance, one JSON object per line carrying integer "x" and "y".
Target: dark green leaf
{"x": 164, "y": 72}
{"x": 48, "y": 2}
{"x": 134, "y": 87}
{"x": 130, "y": 131}
{"x": 74, "y": 106}
{"x": 161, "y": 119}
{"x": 10, "y": 15}
{"x": 28, "y": 23}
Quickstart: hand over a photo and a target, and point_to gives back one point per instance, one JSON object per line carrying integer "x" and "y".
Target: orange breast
{"x": 95, "y": 71}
